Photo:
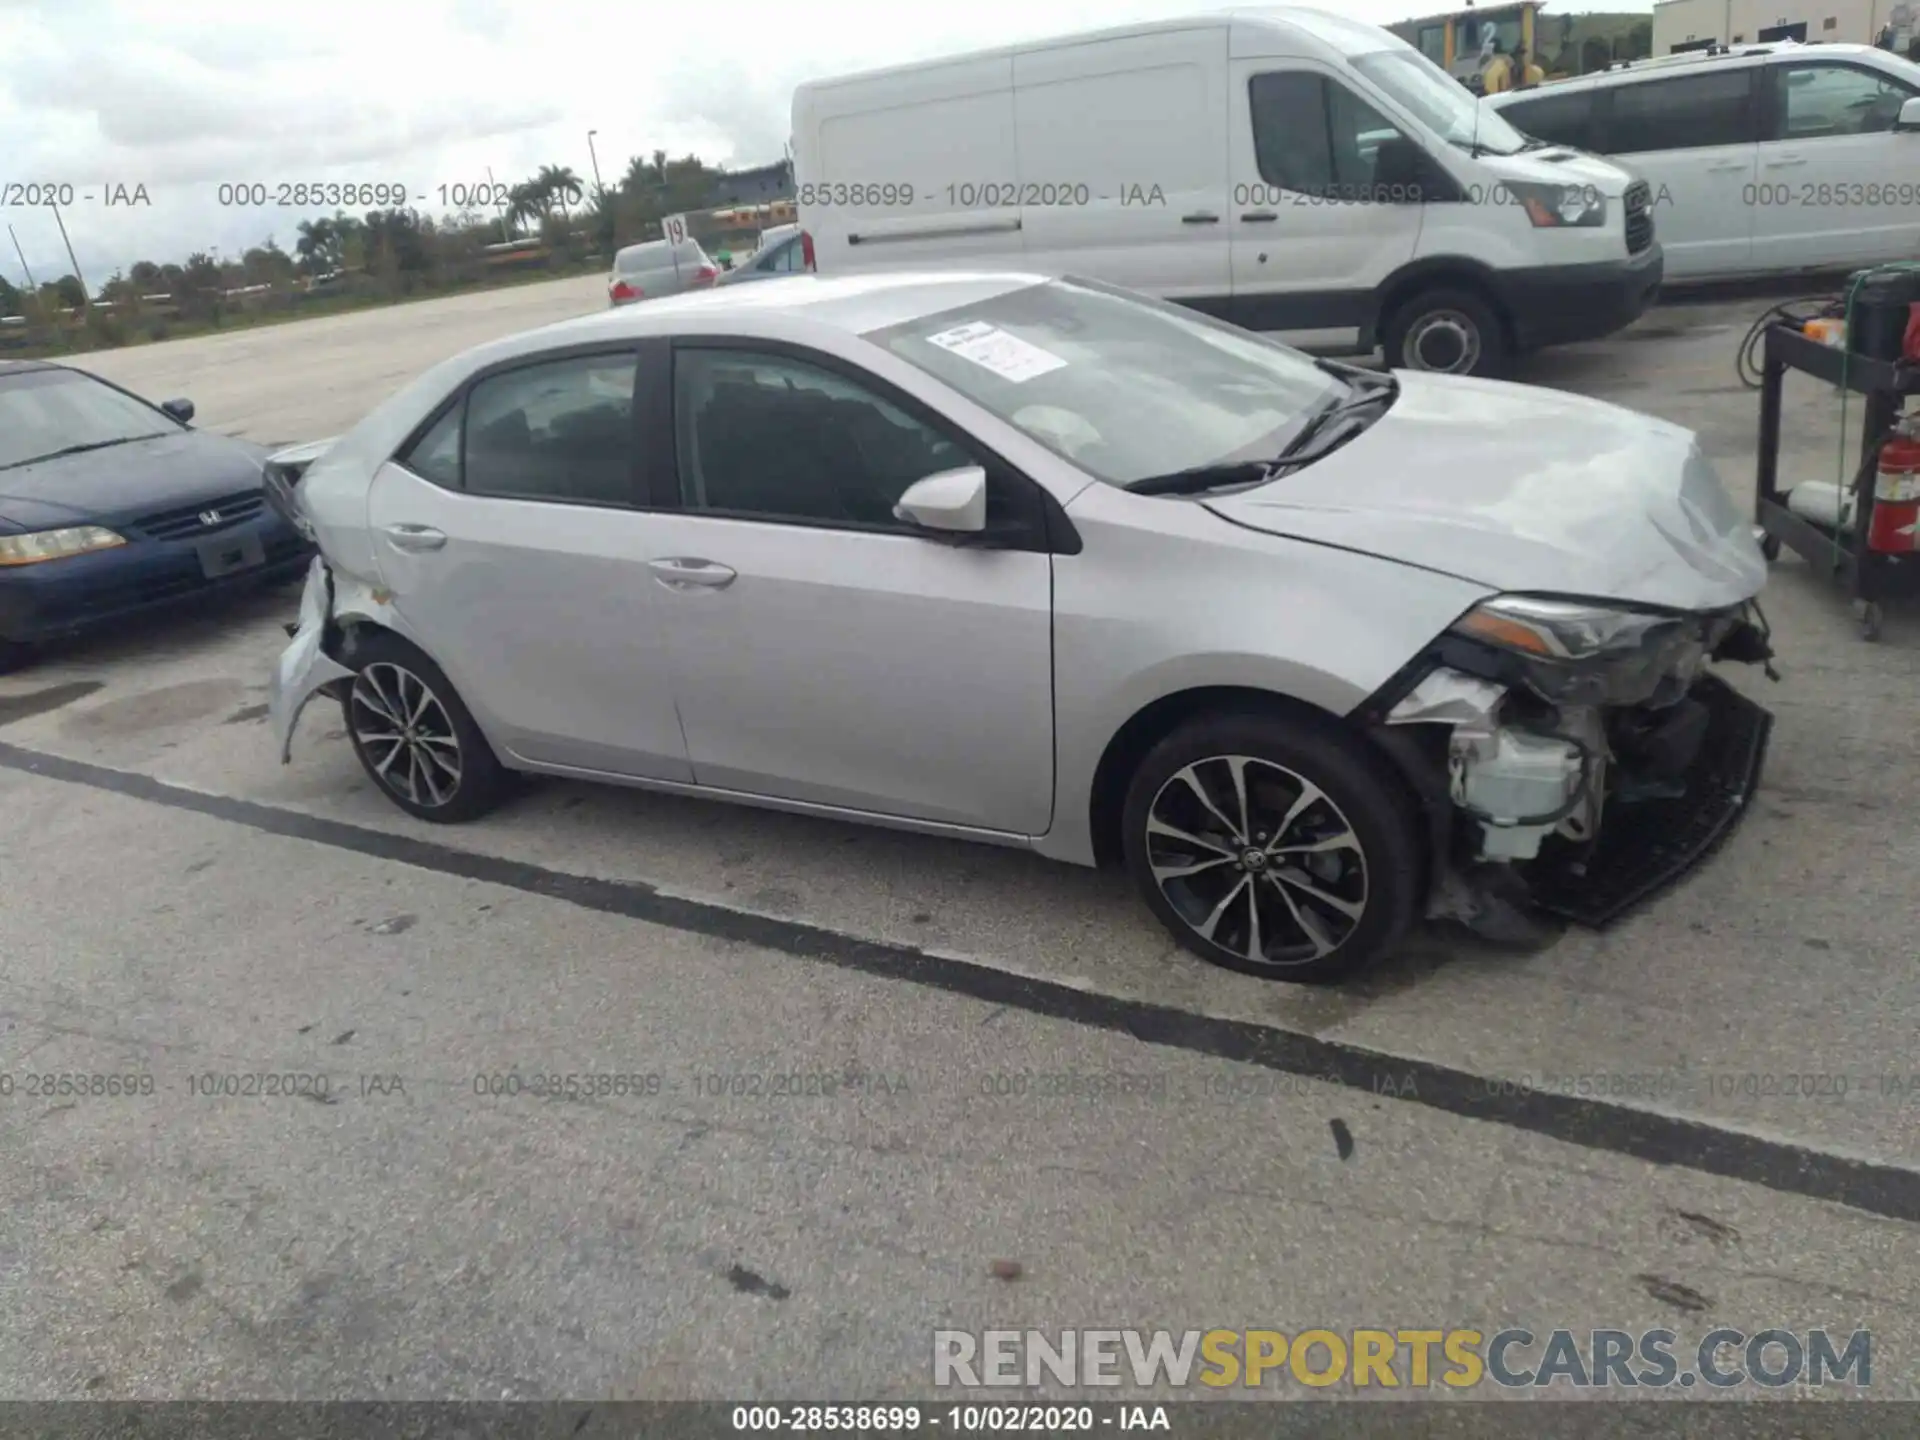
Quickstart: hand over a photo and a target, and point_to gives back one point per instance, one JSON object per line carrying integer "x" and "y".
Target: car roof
{"x": 853, "y": 304}
{"x": 1668, "y": 67}
{"x": 1320, "y": 24}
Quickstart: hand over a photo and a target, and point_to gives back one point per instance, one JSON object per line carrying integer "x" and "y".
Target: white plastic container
{"x": 1823, "y": 503}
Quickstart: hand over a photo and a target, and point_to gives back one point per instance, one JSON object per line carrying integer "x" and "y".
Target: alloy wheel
{"x": 1257, "y": 860}
{"x": 405, "y": 733}
{"x": 1445, "y": 342}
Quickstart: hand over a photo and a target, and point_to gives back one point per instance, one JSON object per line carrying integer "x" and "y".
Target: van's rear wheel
{"x": 1447, "y": 332}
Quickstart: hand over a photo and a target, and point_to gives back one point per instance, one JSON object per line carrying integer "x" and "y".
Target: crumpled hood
{"x": 1523, "y": 489}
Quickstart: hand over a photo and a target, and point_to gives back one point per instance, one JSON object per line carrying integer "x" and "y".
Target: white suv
{"x": 1763, "y": 159}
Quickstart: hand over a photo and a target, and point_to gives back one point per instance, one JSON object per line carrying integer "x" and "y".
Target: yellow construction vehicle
{"x": 1463, "y": 42}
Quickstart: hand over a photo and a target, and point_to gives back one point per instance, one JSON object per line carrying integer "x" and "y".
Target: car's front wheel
{"x": 1274, "y": 847}
{"x": 414, "y": 735}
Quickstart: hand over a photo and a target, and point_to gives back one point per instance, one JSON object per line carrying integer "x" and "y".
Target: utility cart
{"x": 1870, "y": 574}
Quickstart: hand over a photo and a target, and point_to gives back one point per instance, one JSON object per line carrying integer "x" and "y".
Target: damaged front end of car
{"x": 1574, "y": 757}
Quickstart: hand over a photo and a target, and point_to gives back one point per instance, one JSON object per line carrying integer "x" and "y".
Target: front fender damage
{"x": 305, "y": 667}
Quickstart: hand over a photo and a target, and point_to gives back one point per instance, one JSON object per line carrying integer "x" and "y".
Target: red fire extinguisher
{"x": 1895, "y": 526}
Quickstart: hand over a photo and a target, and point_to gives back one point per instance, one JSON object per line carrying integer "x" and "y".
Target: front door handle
{"x": 1203, "y": 218}
{"x": 1729, "y": 167}
{"x": 684, "y": 572}
{"x": 415, "y": 538}
{"x": 1786, "y": 162}
{"x": 1259, "y": 216}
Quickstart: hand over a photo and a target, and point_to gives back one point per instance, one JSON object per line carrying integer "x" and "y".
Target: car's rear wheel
{"x": 414, "y": 735}
{"x": 1273, "y": 847}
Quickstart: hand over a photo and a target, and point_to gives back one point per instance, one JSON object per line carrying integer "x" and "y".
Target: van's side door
{"x": 1313, "y": 233}
{"x": 1123, "y": 161}
{"x": 1693, "y": 138}
{"x": 1840, "y": 185}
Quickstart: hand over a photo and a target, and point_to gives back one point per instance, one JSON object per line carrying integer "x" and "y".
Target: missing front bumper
{"x": 1645, "y": 845}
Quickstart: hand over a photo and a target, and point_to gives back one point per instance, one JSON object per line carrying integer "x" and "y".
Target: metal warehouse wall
{"x": 1855, "y": 22}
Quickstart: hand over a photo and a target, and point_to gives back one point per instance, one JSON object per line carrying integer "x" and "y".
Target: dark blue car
{"x": 110, "y": 506}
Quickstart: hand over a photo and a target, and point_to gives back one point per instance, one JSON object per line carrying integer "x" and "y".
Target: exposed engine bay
{"x": 1577, "y": 786}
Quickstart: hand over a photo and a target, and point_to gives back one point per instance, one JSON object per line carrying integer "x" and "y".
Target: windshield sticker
{"x": 1007, "y": 356}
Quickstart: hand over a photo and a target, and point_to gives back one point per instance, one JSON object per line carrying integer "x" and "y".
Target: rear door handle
{"x": 1203, "y": 218}
{"x": 415, "y": 538}
{"x": 1786, "y": 162}
{"x": 685, "y": 572}
{"x": 1258, "y": 217}
{"x": 1727, "y": 167}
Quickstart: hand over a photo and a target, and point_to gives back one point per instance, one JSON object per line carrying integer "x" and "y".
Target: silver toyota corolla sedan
{"x": 1314, "y": 652}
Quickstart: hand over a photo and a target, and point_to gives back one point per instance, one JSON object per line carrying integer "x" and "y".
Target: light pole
{"x": 596, "y": 161}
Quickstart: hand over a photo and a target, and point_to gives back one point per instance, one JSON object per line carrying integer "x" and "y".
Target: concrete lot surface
{"x": 1745, "y": 1150}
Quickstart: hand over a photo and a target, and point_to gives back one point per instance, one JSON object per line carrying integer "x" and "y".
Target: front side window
{"x": 562, "y": 430}
{"x": 1825, "y": 101}
{"x": 1317, "y": 138}
{"x": 1694, "y": 113}
{"x": 1122, "y": 386}
{"x": 770, "y": 435}
{"x": 46, "y": 411}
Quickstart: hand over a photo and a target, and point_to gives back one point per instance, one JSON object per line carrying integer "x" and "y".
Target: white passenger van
{"x": 1763, "y": 159}
{"x": 1285, "y": 169}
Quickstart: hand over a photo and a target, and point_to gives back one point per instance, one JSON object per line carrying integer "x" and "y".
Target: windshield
{"x": 1440, "y": 102}
{"x": 1123, "y": 386}
{"x": 42, "y": 411}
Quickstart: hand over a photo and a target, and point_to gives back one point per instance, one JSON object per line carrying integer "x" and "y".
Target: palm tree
{"x": 560, "y": 184}
{"x": 525, "y": 202}
{"x": 318, "y": 243}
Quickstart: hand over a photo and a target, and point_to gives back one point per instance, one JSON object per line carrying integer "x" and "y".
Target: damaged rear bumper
{"x": 304, "y": 667}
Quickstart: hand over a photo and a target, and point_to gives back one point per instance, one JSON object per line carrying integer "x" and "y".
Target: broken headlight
{"x": 1574, "y": 653}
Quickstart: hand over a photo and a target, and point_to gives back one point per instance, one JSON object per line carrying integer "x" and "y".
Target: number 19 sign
{"x": 674, "y": 229}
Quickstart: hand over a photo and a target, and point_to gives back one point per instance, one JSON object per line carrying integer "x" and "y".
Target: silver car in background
{"x": 783, "y": 250}
{"x": 1314, "y": 652}
{"x": 655, "y": 269}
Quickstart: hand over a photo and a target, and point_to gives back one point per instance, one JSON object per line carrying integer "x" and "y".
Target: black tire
{"x": 1378, "y": 862}
{"x": 14, "y": 655}
{"x": 414, "y": 773}
{"x": 1770, "y": 548}
{"x": 1432, "y": 325}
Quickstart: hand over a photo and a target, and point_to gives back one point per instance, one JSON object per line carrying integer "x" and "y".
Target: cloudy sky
{"x": 180, "y": 95}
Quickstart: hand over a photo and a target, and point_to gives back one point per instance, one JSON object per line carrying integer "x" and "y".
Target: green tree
{"x": 561, "y": 186}
{"x": 9, "y": 298}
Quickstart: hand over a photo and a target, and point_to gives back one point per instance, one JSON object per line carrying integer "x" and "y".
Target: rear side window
{"x": 558, "y": 430}
{"x": 1687, "y": 114}
{"x": 1561, "y": 119}
{"x": 1314, "y": 137}
{"x": 435, "y": 455}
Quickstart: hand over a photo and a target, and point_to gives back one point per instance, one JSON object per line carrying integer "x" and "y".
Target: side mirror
{"x": 953, "y": 502}
{"x": 181, "y": 410}
{"x": 1909, "y": 117}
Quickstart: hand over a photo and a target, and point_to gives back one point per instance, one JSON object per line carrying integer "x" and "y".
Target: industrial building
{"x": 1696, "y": 24}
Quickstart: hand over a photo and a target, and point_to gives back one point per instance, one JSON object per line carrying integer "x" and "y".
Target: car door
{"x": 1840, "y": 186}
{"x": 823, "y": 651}
{"x": 512, "y": 536}
{"x": 1694, "y": 139}
{"x": 1313, "y": 235}
{"x": 1123, "y": 161}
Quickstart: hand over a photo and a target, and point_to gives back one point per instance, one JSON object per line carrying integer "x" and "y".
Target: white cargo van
{"x": 1285, "y": 169}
